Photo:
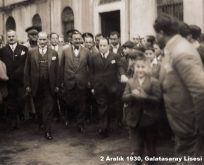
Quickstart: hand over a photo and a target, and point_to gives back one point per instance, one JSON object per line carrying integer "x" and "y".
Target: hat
{"x": 135, "y": 54}
{"x": 73, "y": 31}
{"x": 128, "y": 44}
{"x": 32, "y": 29}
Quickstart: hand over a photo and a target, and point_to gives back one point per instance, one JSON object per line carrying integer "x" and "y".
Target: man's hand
{"x": 92, "y": 91}
{"x": 136, "y": 92}
{"x": 28, "y": 90}
{"x": 56, "y": 89}
{"x": 123, "y": 79}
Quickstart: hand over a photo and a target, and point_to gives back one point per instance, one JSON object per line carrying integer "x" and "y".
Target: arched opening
{"x": 67, "y": 19}
{"x": 36, "y": 21}
{"x": 10, "y": 23}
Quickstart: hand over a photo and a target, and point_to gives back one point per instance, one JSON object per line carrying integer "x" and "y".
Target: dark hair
{"x": 167, "y": 24}
{"x": 52, "y": 33}
{"x": 115, "y": 33}
{"x": 202, "y": 37}
{"x": 151, "y": 39}
{"x": 105, "y": 38}
{"x": 149, "y": 48}
{"x": 86, "y": 35}
{"x": 184, "y": 29}
{"x": 195, "y": 31}
{"x": 75, "y": 32}
{"x": 98, "y": 35}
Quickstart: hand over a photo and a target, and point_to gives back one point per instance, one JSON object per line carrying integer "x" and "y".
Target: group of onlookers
{"x": 134, "y": 85}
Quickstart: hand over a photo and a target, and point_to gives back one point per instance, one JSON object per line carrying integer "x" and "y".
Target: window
{"x": 36, "y": 21}
{"x": 107, "y": 1}
{"x": 171, "y": 7}
{"x": 67, "y": 18}
{"x": 10, "y": 23}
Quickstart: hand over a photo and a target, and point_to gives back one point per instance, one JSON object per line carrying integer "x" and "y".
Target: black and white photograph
{"x": 101, "y": 82}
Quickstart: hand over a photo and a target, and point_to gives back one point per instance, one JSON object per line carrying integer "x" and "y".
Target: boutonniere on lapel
{"x": 22, "y": 53}
{"x": 113, "y": 61}
{"x": 54, "y": 58}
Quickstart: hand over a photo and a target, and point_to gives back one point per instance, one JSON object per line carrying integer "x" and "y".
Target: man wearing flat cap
{"x": 32, "y": 32}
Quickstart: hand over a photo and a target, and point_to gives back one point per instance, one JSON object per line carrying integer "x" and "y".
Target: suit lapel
{"x": 10, "y": 52}
{"x": 108, "y": 60}
{"x": 49, "y": 56}
{"x": 36, "y": 56}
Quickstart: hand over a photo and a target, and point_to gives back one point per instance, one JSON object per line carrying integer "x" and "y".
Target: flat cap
{"x": 32, "y": 29}
{"x": 129, "y": 44}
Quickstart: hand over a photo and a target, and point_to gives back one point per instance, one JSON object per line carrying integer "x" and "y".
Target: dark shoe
{"x": 103, "y": 133}
{"x": 48, "y": 135}
{"x": 81, "y": 129}
{"x": 67, "y": 124}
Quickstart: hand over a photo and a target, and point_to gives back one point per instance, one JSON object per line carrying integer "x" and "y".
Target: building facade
{"x": 131, "y": 18}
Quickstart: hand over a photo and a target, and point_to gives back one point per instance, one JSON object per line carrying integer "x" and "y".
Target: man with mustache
{"x": 74, "y": 79}
{"x": 14, "y": 56}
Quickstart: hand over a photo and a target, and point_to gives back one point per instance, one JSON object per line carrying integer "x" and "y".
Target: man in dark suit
{"x": 104, "y": 80}
{"x": 41, "y": 81}
{"x": 32, "y": 32}
{"x": 14, "y": 56}
{"x": 116, "y": 48}
{"x": 74, "y": 78}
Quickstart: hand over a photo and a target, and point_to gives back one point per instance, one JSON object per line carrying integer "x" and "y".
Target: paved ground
{"x": 26, "y": 146}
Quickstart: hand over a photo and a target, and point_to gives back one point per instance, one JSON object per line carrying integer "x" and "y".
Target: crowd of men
{"x": 99, "y": 80}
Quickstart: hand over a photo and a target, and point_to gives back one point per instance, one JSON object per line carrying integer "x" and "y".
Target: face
{"x": 33, "y": 36}
{"x": 157, "y": 50}
{"x": 114, "y": 40}
{"x": 160, "y": 39}
{"x": 140, "y": 68}
{"x": 88, "y": 42}
{"x": 76, "y": 40}
{"x": 42, "y": 39}
{"x": 149, "y": 54}
{"x": 98, "y": 39}
{"x": 127, "y": 51}
{"x": 61, "y": 41}
{"x": 103, "y": 46}
{"x": 11, "y": 37}
{"x": 54, "y": 39}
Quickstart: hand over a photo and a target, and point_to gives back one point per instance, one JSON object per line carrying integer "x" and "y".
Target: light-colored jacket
{"x": 182, "y": 80}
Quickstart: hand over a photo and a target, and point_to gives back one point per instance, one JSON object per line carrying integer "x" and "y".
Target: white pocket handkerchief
{"x": 22, "y": 53}
{"x": 113, "y": 62}
{"x": 54, "y": 58}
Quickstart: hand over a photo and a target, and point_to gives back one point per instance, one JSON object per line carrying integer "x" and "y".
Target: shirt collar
{"x": 116, "y": 47}
{"x": 13, "y": 46}
{"x": 106, "y": 54}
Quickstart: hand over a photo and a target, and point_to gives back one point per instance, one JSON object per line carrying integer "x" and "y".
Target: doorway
{"x": 110, "y": 21}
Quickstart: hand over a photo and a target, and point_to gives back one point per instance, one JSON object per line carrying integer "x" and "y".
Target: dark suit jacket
{"x": 70, "y": 75}
{"x": 104, "y": 74}
{"x": 14, "y": 62}
{"x": 139, "y": 108}
{"x": 31, "y": 69}
{"x": 119, "y": 52}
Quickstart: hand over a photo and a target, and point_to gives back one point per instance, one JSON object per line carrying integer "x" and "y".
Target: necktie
{"x": 12, "y": 48}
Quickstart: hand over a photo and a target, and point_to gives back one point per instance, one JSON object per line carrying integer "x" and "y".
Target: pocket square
{"x": 113, "y": 62}
{"x": 54, "y": 58}
{"x": 22, "y": 53}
